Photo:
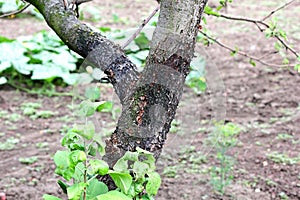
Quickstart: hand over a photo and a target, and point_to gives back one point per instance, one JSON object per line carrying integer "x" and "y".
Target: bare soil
{"x": 264, "y": 101}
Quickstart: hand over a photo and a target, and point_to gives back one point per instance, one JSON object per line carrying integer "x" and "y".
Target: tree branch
{"x": 15, "y": 12}
{"x": 149, "y": 110}
{"x": 97, "y": 49}
{"x": 277, "y": 9}
{"x": 141, "y": 27}
{"x": 265, "y": 25}
{"x": 243, "y": 53}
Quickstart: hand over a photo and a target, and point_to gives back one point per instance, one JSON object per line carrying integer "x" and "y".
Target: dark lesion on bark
{"x": 178, "y": 63}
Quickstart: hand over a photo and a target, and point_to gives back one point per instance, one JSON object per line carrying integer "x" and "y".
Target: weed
{"x": 283, "y": 196}
{"x": 9, "y": 144}
{"x": 42, "y": 145}
{"x": 45, "y": 114}
{"x": 171, "y": 171}
{"x": 223, "y": 138}
{"x": 14, "y": 117}
{"x": 283, "y": 158}
{"x": 284, "y": 136}
{"x": 29, "y": 160}
{"x": 175, "y": 126}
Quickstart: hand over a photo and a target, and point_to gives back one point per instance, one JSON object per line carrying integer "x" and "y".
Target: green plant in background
{"x": 134, "y": 174}
{"x": 41, "y": 57}
{"x": 223, "y": 139}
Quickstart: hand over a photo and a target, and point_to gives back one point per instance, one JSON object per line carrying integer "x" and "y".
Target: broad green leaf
{"x": 121, "y": 165}
{"x": 92, "y": 150}
{"x": 99, "y": 167}
{"x": 50, "y": 197}
{"x": 63, "y": 165}
{"x": 147, "y": 157}
{"x": 94, "y": 189}
{"x": 142, "y": 41}
{"x": 140, "y": 169}
{"x": 75, "y": 191}
{"x": 70, "y": 139}
{"x": 3, "y": 80}
{"x": 86, "y": 130}
{"x": 86, "y": 108}
{"x": 13, "y": 53}
{"x": 122, "y": 180}
{"x": 8, "y": 6}
{"x": 153, "y": 183}
{"x": 4, "y": 39}
{"x": 133, "y": 156}
{"x": 142, "y": 55}
{"x": 135, "y": 60}
{"x": 92, "y": 93}
{"x": 79, "y": 172}
{"x": 76, "y": 157}
{"x": 113, "y": 195}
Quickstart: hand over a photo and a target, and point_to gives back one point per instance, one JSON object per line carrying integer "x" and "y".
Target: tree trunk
{"x": 149, "y": 100}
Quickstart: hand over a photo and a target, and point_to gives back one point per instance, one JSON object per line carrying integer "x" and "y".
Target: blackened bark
{"x": 150, "y": 107}
{"x": 149, "y": 100}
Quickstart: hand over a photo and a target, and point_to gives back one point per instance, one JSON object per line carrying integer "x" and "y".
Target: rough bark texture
{"x": 149, "y": 99}
{"x": 151, "y": 106}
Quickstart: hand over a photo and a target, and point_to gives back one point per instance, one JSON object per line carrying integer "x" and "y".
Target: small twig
{"x": 277, "y": 9}
{"x": 15, "y": 12}
{"x": 261, "y": 22}
{"x": 141, "y": 27}
{"x": 242, "y": 53}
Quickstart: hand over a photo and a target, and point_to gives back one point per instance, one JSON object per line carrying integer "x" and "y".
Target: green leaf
{"x": 63, "y": 186}
{"x": 297, "y": 67}
{"x": 105, "y": 29}
{"x": 94, "y": 189}
{"x": 153, "y": 183}
{"x": 13, "y": 54}
{"x": 121, "y": 165}
{"x": 62, "y": 163}
{"x": 75, "y": 191}
{"x": 252, "y": 63}
{"x": 122, "y": 180}
{"x": 79, "y": 172}
{"x": 3, "y": 80}
{"x": 86, "y": 108}
{"x": 71, "y": 140}
{"x": 76, "y": 157}
{"x": 50, "y": 197}
{"x": 87, "y": 130}
{"x": 142, "y": 41}
{"x": 92, "y": 93}
{"x": 147, "y": 157}
{"x": 113, "y": 195}
{"x": 4, "y": 39}
{"x": 140, "y": 169}
{"x": 92, "y": 150}
{"x": 99, "y": 167}
{"x": 209, "y": 11}
{"x": 29, "y": 160}
{"x": 105, "y": 106}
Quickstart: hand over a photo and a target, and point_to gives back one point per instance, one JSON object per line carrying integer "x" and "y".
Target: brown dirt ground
{"x": 264, "y": 101}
